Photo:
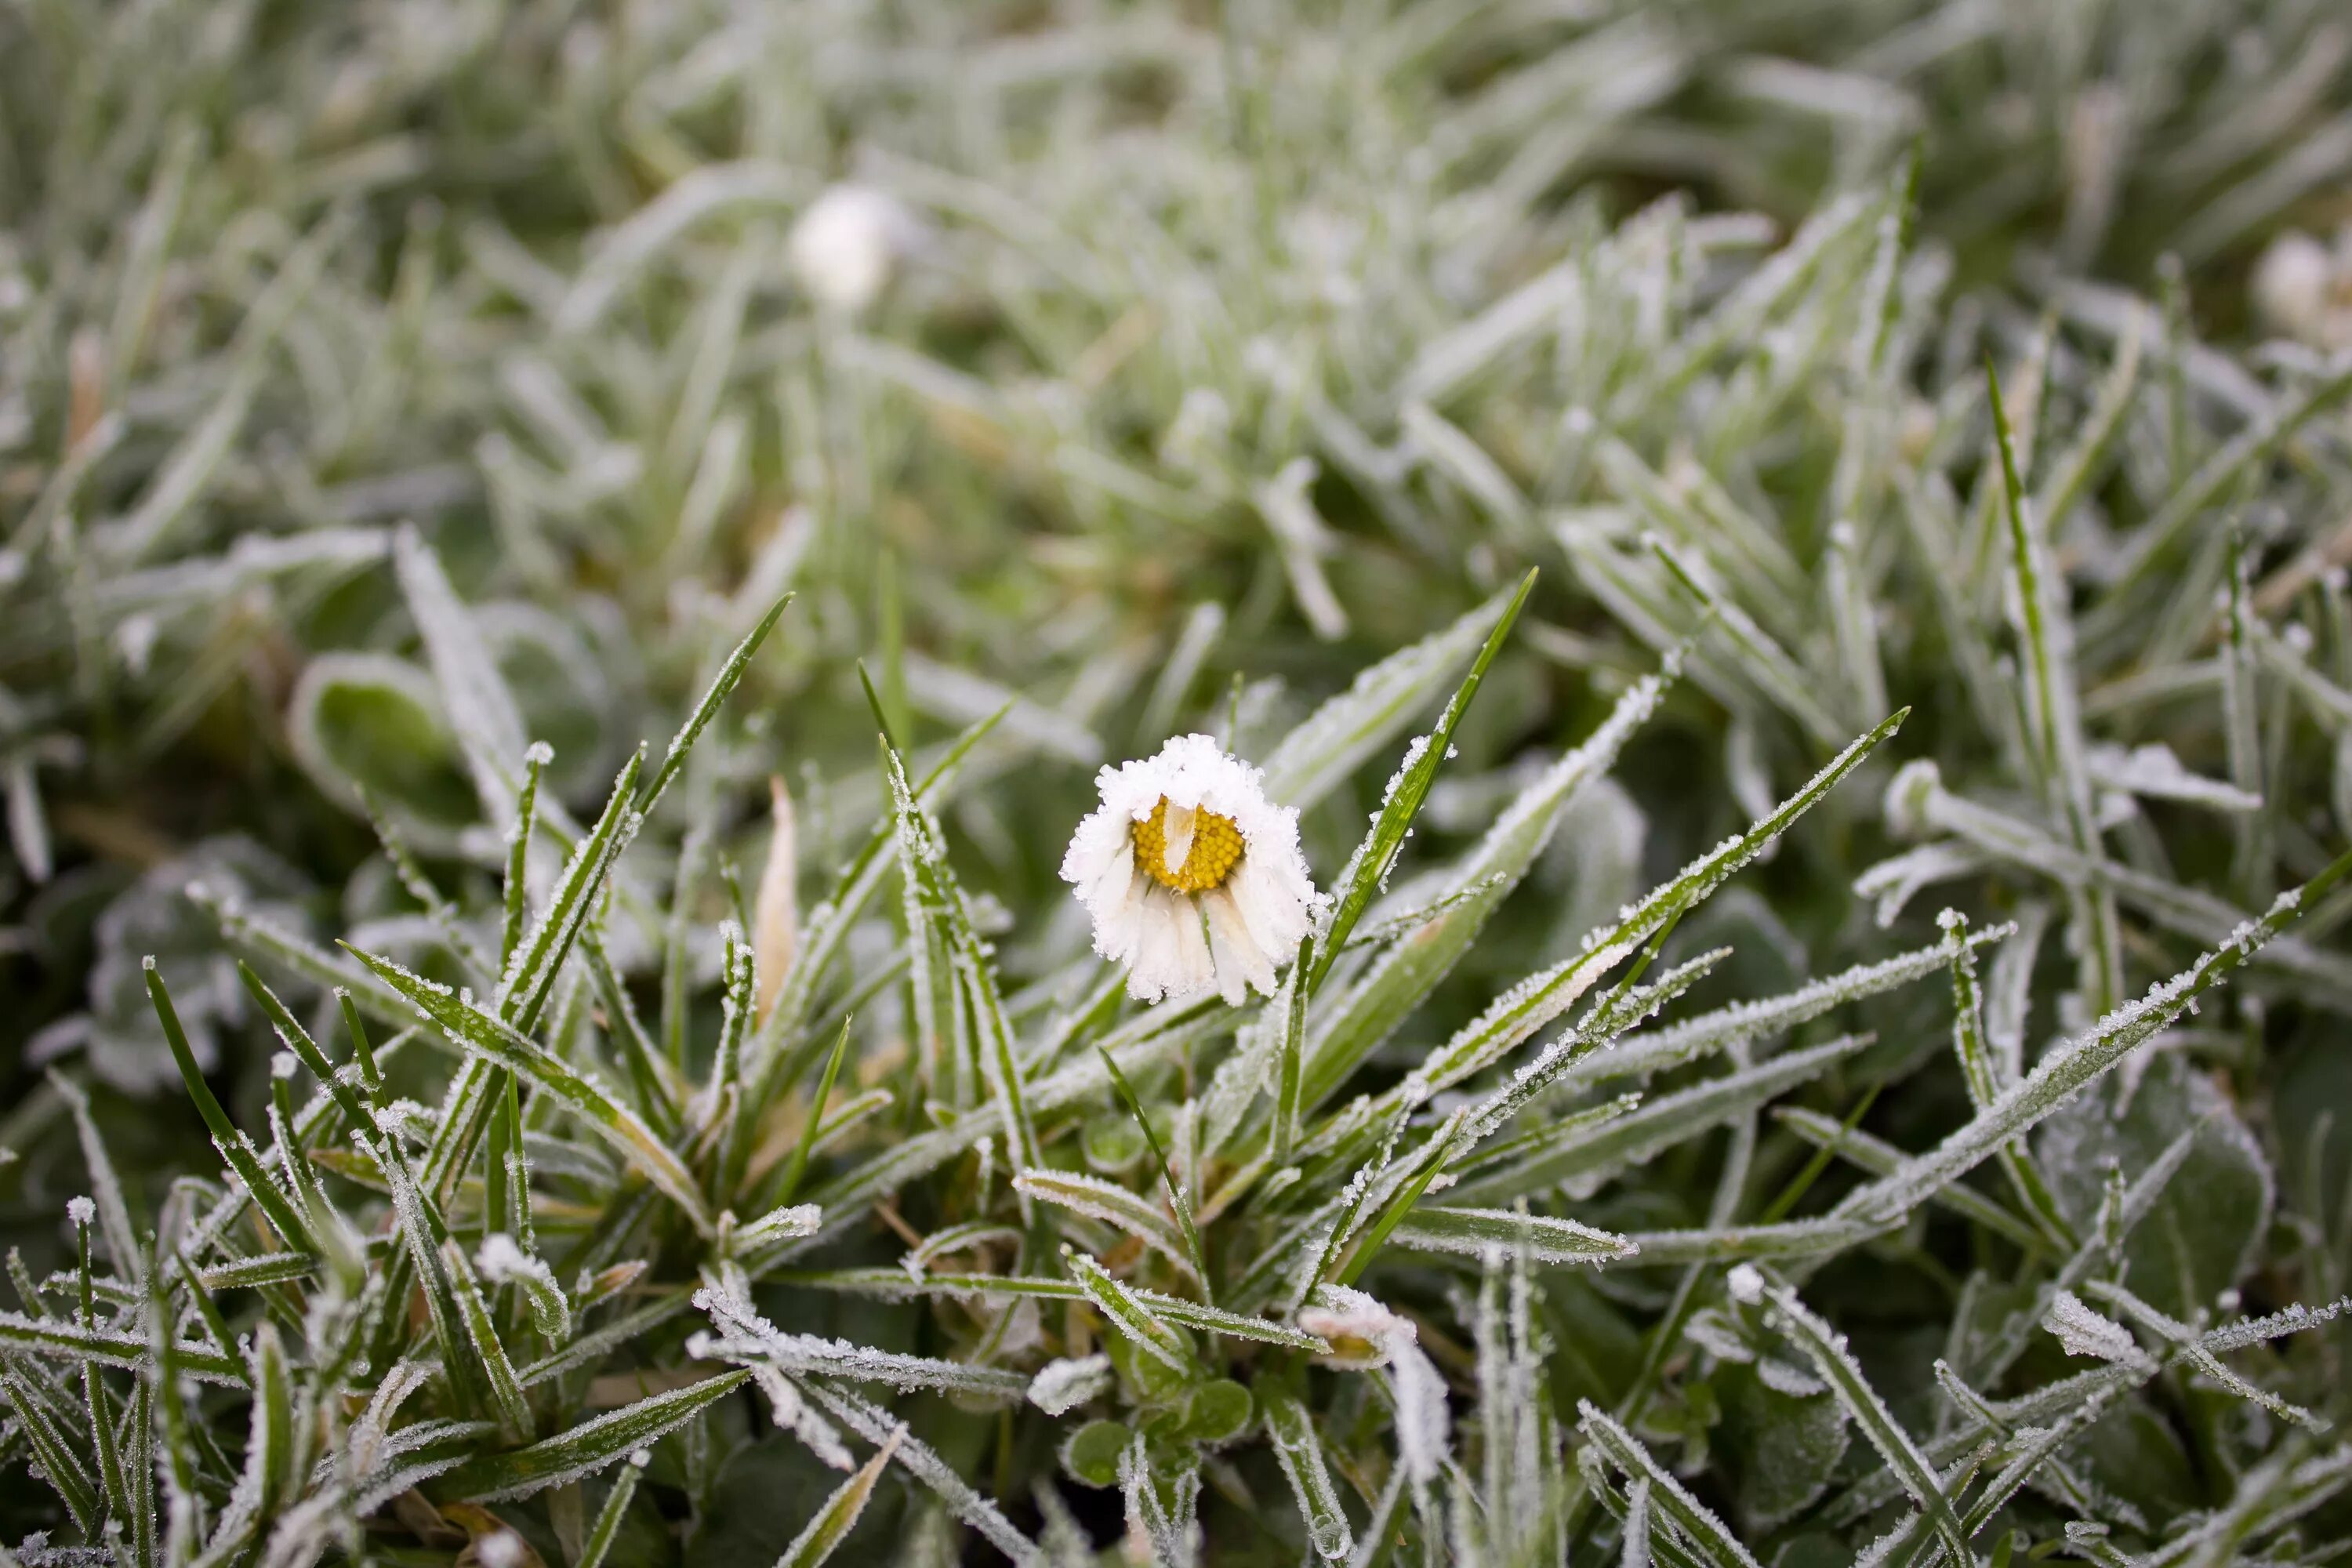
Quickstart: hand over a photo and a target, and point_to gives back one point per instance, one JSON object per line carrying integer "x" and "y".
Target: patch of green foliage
{"x": 1798, "y": 468}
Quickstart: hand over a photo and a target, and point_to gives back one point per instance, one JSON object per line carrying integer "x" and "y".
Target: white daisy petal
{"x": 1241, "y": 962}
{"x": 1181, "y": 823}
{"x": 1193, "y": 878}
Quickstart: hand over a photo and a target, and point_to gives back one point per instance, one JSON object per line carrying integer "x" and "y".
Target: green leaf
{"x": 1091, "y": 1454}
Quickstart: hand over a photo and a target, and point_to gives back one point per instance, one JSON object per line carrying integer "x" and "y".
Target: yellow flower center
{"x": 1216, "y": 851}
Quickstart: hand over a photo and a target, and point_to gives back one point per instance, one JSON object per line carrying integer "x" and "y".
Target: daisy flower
{"x": 1192, "y": 876}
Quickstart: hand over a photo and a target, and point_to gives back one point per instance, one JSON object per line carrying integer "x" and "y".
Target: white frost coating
{"x": 780, "y": 1225}
{"x": 2086, "y": 1332}
{"x": 500, "y": 1549}
{"x": 1893, "y": 882}
{"x": 282, "y": 1065}
{"x": 793, "y": 1414}
{"x": 1363, "y": 1333}
{"x": 81, "y": 1210}
{"x": 2292, "y": 1319}
{"x": 1111, "y": 1203}
{"x": 1177, "y": 944}
{"x": 1746, "y": 1283}
{"x": 1655, "y": 1050}
{"x": 1063, "y": 1385}
{"x": 481, "y": 710}
{"x": 849, "y": 243}
{"x": 2153, "y": 772}
{"x": 748, "y": 1339}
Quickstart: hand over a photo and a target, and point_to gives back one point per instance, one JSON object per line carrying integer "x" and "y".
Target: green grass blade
{"x": 584, "y": 1450}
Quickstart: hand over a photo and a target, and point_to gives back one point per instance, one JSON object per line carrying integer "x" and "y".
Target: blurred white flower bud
{"x": 849, "y": 244}
{"x": 2304, "y": 289}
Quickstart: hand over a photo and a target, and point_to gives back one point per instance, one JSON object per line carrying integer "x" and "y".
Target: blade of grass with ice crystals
{"x": 1180, "y": 1202}
{"x": 607, "y": 1528}
{"x": 529, "y": 978}
{"x": 2074, "y": 471}
{"x": 1403, "y": 976}
{"x": 181, "y": 479}
{"x": 495, "y": 1041}
{"x": 819, "y": 1538}
{"x": 1339, "y": 736}
{"x": 796, "y": 1167}
{"x": 586, "y": 1449}
{"x": 1651, "y": 1051}
{"x": 1290, "y": 1053}
{"x": 721, "y": 686}
{"x": 536, "y": 756}
{"x": 1743, "y": 312}
{"x": 927, "y": 860}
{"x": 1718, "y": 527}
{"x": 483, "y": 714}
{"x": 1472, "y": 1232}
{"x": 1115, "y": 1207}
{"x": 1710, "y": 1538}
{"x": 474, "y": 1313}
{"x": 2190, "y": 912}
{"x": 1626, "y": 1006}
{"x": 1877, "y": 1157}
{"x": 282, "y": 1022}
{"x": 2071, "y": 1066}
{"x": 2187, "y": 1343}
{"x": 1826, "y": 1349}
{"x": 2251, "y": 863}
{"x": 1586, "y": 1154}
{"x": 1983, "y": 1079}
{"x": 2154, "y": 543}
{"x": 1367, "y": 868}
{"x": 237, "y": 1150}
{"x": 1668, "y": 900}
{"x": 2046, "y": 630}
{"x": 1130, "y": 1316}
{"x": 742, "y": 1335}
{"x": 130, "y": 1259}
{"x": 828, "y": 925}
{"x": 424, "y": 1238}
{"x": 1291, "y": 1428}
{"x": 1762, "y": 662}
{"x": 919, "y": 1460}
{"x": 627, "y": 1032}
{"x": 58, "y": 1451}
{"x": 1157, "y": 1033}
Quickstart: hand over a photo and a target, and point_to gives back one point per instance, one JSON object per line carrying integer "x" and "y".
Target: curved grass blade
{"x": 1826, "y": 1349}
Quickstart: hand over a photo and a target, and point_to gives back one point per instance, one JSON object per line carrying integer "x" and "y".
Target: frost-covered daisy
{"x": 1195, "y": 878}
